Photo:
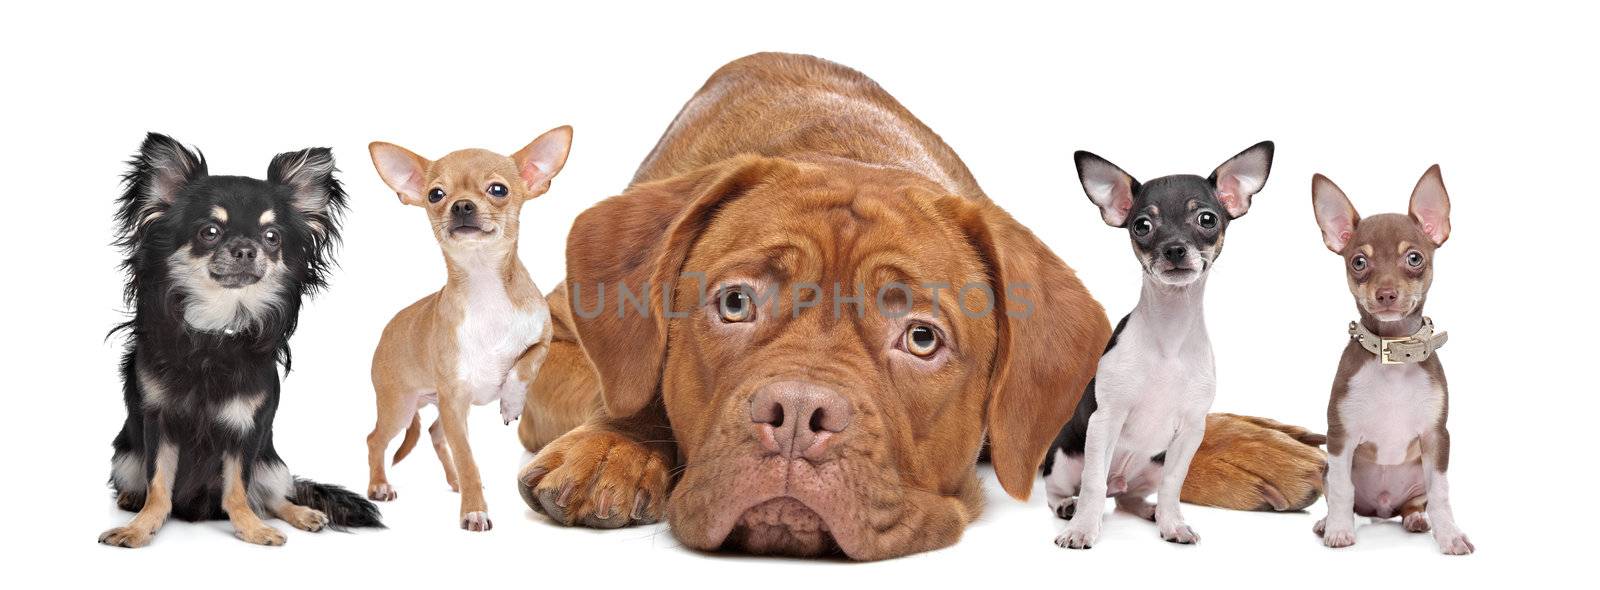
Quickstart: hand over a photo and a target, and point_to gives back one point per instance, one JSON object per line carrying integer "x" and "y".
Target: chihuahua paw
{"x": 1179, "y": 533}
{"x": 476, "y": 522}
{"x": 306, "y": 519}
{"x": 597, "y": 479}
{"x": 1454, "y": 543}
{"x": 511, "y": 406}
{"x": 1065, "y": 508}
{"x": 261, "y": 535}
{"x": 1416, "y": 522}
{"x": 381, "y": 492}
{"x": 1336, "y": 537}
{"x": 126, "y": 536}
{"x": 1078, "y": 536}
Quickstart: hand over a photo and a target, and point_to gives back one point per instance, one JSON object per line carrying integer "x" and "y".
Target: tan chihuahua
{"x": 483, "y": 336}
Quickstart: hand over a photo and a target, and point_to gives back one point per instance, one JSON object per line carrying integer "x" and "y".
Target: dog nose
{"x": 1175, "y": 253}
{"x": 1387, "y": 296}
{"x": 244, "y": 251}
{"x": 797, "y": 419}
{"x": 462, "y": 208}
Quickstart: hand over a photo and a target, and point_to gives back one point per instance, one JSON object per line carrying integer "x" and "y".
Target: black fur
{"x": 1072, "y": 435}
{"x": 180, "y": 377}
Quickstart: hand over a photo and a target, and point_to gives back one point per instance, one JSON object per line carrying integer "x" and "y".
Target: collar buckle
{"x": 1385, "y": 354}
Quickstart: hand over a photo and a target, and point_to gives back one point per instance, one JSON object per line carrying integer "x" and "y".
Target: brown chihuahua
{"x": 1388, "y": 448}
{"x": 484, "y": 335}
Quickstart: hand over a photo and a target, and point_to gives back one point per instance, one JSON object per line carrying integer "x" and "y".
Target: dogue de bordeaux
{"x": 799, "y": 325}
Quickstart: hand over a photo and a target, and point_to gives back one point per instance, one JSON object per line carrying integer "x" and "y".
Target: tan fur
{"x": 247, "y": 525}
{"x": 798, "y": 169}
{"x": 418, "y": 358}
{"x": 565, "y": 394}
{"x": 157, "y": 504}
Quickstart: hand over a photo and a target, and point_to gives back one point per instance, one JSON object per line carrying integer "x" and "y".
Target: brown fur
{"x": 420, "y": 349}
{"x": 791, "y": 169}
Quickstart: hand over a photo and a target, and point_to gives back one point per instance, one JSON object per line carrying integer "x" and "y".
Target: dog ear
{"x": 400, "y": 169}
{"x": 1430, "y": 206}
{"x": 1335, "y": 215}
{"x": 156, "y": 175}
{"x": 316, "y": 194}
{"x": 541, "y": 160}
{"x": 1241, "y": 177}
{"x": 1050, "y": 336}
{"x": 639, "y": 240}
{"x": 1108, "y": 186}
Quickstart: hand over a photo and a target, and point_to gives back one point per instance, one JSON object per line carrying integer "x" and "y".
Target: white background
{"x": 1368, "y": 93}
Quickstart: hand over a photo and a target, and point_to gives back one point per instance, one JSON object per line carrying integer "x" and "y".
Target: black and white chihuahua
{"x": 1143, "y": 416}
{"x": 217, "y": 267}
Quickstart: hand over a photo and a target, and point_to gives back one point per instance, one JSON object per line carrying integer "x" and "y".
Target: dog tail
{"x": 410, "y": 441}
{"x": 345, "y": 509}
{"x": 1315, "y": 439}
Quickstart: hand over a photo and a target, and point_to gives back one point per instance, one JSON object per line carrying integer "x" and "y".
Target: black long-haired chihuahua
{"x": 217, "y": 267}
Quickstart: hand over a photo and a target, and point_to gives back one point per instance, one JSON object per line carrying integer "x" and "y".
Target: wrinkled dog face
{"x": 805, "y": 417}
{"x": 1388, "y": 258}
{"x": 1176, "y": 223}
{"x": 236, "y": 251}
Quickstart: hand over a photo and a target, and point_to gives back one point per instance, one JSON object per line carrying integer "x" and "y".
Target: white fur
{"x": 153, "y": 391}
{"x": 240, "y": 413}
{"x": 1394, "y": 408}
{"x": 1152, "y": 391}
{"x": 270, "y": 485}
{"x": 513, "y": 395}
{"x": 210, "y": 307}
{"x": 493, "y": 333}
{"x": 127, "y": 471}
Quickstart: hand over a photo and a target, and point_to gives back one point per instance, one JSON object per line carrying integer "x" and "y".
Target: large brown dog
{"x": 824, "y": 315}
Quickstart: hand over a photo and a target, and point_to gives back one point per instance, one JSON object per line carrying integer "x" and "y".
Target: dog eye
{"x": 498, "y": 190}
{"x": 1208, "y": 219}
{"x": 1414, "y": 259}
{"x": 735, "y": 306}
{"x": 271, "y": 237}
{"x": 1142, "y": 226}
{"x": 1359, "y": 263}
{"x": 922, "y": 340}
{"x": 210, "y": 233}
{"x": 436, "y": 195}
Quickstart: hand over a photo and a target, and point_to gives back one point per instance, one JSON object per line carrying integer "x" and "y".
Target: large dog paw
{"x": 126, "y": 536}
{"x": 598, "y": 479}
{"x": 261, "y": 535}
{"x": 1247, "y": 463}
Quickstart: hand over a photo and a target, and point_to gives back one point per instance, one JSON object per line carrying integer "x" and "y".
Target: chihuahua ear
{"x": 401, "y": 170}
{"x": 1335, "y": 215}
{"x": 1108, "y": 186}
{"x": 1430, "y": 206}
{"x": 541, "y": 160}
{"x": 1241, "y": 177}
{"x": 316, "y": 195}
{"x": 156, "y": 175}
